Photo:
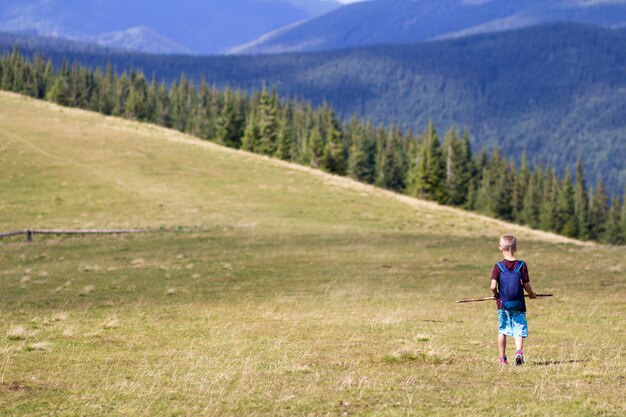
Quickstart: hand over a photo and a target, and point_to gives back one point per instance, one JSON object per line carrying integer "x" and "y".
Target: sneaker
{"x": 519, "y": 358}
{"x": 503, "y": 360}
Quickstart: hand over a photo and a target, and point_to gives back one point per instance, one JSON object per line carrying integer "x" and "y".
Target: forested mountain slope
{"x": 557, "y": 92}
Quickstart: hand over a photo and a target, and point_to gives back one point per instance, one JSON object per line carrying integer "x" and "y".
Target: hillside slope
{"x": 288, "y": 291}
{"x": 108, "y": 172}
{"x": 407, "y": 21}
{"x": 556, "y": 91}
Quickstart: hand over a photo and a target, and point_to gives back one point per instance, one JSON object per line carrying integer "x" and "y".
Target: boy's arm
{"x": 495, "y": 292}
{"x": 494, "y": 288}
{"x": 526, "y": 282}
{"x": 495, "y": 276}
{"x": 529, "y": 290}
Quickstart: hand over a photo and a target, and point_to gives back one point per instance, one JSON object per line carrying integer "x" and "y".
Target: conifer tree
{"x": 59, "y": 93}
{"x": 520, "y": 190}
{"x": 496, "y": 163}
{"x": 43, "y": 76}
{"x": 252, "y": 134}
{"x": 548, "y": 201}
{"x": 470, "y": 203}
{"x": 136, "y": 106}
{"x": 484, "y": 202}
{"x": 152, "y": 101}
{"x": 106, "y": 97}
{"x": 467, "y": 145}
{"x": 333, "y": 157}
{"x": 286, "y": 149}
{"x": 75, "y": 87}
{"x": 122, "y": 90}
{"x": 598, "y": 212}
{"x": 565, "y": 216}
{"x": 532, "y": 199}
{"x": 457, "y": 169}
{"x": 206, "y": 113}
{"x": 613, "y": 233}
{"x": 300, "y": 129}
{"x": 10, "y": 80}
{"x": 362, "y": 159}
{"x": 480, "y": 163}
{"x": 581, "y": 203}
{"x": 316, "y": 145}
{"x": 392, "y": 166}
{"x": 411, "y": 166}
{"x": 183, "y": 105}
{"x": 429, "y": 176}
{"x": 162, "y": 112}
{"x": 267, "y": 115}
{"x": 503, "y": 192}
{"x": 230, "y": 125}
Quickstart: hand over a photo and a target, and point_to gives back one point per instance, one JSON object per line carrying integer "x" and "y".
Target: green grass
{"x": 287, "y": 293}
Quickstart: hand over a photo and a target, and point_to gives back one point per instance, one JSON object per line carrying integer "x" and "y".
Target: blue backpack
{"x": 511, "y": 288}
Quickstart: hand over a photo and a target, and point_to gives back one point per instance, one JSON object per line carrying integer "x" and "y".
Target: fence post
{"x": 29, "y": 235}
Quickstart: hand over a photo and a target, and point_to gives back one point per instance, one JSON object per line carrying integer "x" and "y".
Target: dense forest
{"x": 556, "y": 92}
{"x": 424, "y": 165}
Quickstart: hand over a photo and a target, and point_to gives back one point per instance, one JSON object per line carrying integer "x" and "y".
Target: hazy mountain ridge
{"x": 407, "y": 21}
{"x": 50, "y": 44}
{"x": 198, "y": 26}
{"x": 143, "y": 39}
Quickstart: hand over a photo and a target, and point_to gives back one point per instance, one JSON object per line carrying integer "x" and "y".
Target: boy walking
{"x": 509, "y": 279}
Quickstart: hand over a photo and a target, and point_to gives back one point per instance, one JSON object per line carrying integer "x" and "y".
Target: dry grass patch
{"x": 39, "y": 347}
{"x": 111, "y": 323}
{"x": 68, "y": 332}
{"x": 17, "y": 333}
{"x": 87, "y": 289}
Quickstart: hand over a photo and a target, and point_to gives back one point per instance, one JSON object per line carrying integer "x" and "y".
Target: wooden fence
{"x": 30, "y": 233}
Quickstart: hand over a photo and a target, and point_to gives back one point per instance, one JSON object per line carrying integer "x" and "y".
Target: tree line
{"x": 421, "y": 164}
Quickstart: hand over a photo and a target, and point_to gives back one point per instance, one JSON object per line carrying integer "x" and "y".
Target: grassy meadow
{"x": 272, "y": 289}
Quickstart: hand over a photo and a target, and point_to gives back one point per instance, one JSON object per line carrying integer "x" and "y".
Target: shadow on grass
{"x": 562, "y": 362}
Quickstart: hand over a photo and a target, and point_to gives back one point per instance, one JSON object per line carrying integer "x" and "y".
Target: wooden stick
{"x": 471, "y": 300}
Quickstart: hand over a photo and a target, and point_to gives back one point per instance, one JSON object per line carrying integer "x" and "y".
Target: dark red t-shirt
{"x": 510, "y": 265}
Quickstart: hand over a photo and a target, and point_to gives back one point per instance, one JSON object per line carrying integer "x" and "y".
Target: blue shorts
{"x": 512, "y": 323}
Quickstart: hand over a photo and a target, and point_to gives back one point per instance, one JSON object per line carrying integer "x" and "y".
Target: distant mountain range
{"x": 556, "y": 91}
{"x": 380, "y": 22}
{"x": 276, "y": 26}
{"x": 167, "y": 26}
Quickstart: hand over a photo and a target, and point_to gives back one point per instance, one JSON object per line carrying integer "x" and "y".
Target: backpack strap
{"x": 519, "y": 267}
{"x": 502, "y": 268}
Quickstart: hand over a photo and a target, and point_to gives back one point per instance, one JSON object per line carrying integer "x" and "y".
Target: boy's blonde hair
{"x": 508, "y": 243}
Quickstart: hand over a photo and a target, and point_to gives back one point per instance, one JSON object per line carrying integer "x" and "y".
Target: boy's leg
{"x": 519, "y": 356}
{"x": 502, "y": 345}
{"x": 519, "y": 343}
{"x": 503, "y": 329}
{"x": 520, "y": 331}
